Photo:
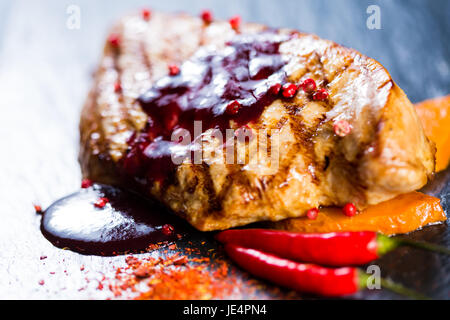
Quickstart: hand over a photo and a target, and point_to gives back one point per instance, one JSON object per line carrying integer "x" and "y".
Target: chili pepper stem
{"x": 391, "y": 286}
{"x": 399, "y": 289}
{"x": 423, "y": 245}
{"x": 385, "y": 244}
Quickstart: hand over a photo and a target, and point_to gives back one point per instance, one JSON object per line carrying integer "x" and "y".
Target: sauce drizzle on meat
{"x": 207, "y": 87}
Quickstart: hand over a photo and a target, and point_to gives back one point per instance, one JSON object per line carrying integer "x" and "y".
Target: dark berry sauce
{"x": 214, "y": 87}
{"x": 127, "y": 223}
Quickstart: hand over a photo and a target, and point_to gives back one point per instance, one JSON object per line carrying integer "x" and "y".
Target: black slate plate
{"x": 44, "y": 77}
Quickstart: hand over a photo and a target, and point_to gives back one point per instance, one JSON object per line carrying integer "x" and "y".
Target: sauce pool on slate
{"x": 127, "y": 222}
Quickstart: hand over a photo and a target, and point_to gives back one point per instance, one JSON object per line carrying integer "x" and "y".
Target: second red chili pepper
{"x": 307, "y": 277}
{"x": 298, "y": 276}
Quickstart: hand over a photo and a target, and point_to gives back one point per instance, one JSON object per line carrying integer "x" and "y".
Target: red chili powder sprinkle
{"x": 184, "y": 275}
{"x": 175, "y": 276}
{"x": 38, "y": 209}
{"x": 188, "y": 282}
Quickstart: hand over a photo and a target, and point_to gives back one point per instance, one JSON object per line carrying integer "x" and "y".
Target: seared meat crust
{"x": 385, "y": 154}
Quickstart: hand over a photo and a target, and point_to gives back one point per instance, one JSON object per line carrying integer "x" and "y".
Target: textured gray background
{"x": 45, "y": 74}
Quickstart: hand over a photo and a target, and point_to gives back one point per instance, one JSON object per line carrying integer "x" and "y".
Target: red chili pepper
{"x": 332, "y": 249}
{"x": 307, "y": 277}
{"x": 298, "y": 276}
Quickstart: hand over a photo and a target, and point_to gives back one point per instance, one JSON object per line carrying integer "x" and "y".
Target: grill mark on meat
{"x": 304, "y": 144}
{"x": 322, "y": 69}
{"x": 284, "y": 167}
{"x": 327, "y": 163}
{"x": 304, "y": 139}
{"x": 192, "y": 184}
{"x": 243, "y": 182}
{"x": 208, "y": 184}
{"x": 259, "y": 189}
{"x": 239, "y": 178}
{"x": 386, "y": 83}
{"x": 226, "y": 187}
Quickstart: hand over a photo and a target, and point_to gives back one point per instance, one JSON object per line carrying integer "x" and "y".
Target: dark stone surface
{"x": 45, "y": 74}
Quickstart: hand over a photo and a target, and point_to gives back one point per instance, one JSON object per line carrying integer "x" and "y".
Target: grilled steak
{"x": 161, "y": 75}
